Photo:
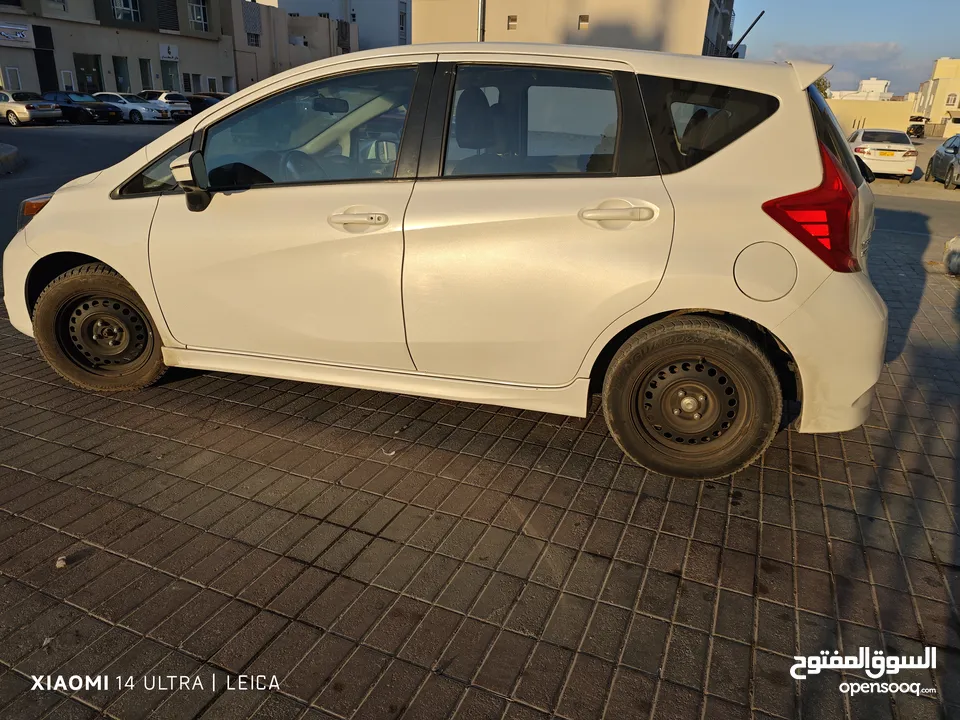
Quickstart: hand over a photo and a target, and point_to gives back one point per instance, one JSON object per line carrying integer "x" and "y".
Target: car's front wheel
{"x": 135, "y": 117}
{"x": 12, "y": 119}
{"x": 94, "y": 330}
{"x": 692, "y": 397}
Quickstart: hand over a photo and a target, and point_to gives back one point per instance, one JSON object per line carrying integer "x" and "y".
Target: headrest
{"x": 474, "y": 120}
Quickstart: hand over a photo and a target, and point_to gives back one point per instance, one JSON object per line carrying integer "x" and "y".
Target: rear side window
{"x": 883, "y": 136}
{"x": 829, "y": 133}
{"x": 691, "y": 121}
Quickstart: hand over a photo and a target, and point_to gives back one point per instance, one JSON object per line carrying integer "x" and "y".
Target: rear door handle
{"x": 629, "y": 214}
{"x": 359, "y": 219}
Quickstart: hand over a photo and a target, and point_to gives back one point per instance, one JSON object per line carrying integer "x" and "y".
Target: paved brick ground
{"x": 389, "y": 556}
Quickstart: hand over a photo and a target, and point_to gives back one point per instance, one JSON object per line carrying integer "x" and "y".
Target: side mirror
{"x": 867, "y": 173}
{"x": 951, "y": 151}
{"x": 190, "y": 172}
{"x": 331, "y": 105}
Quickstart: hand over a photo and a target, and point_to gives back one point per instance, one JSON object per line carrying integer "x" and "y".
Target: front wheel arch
{"x": 50, "y": 267}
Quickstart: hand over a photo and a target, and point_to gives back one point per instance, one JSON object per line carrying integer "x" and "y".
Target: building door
{"x": 43, "y": 56}
{"x": 69, "y": 85}
{"x": 12, "y": 78}
{"x": 170, "y": 75}
{"x": 196, "y": 82}
{"x": 121, "y": 74}
{"x": 211, "y": 84}
{"x": 227, "y": 82}
{"x": 89, "y": 73}
{"x": 146, "y": 75}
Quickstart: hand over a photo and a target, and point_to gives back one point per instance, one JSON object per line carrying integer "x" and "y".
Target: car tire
{"x": 906, "y": 179}
{"x": 92, "y": 328}
{"x": 951, "y": 181}
{"x": 12, "y": 119}
{"x": 928, "y": 175}
{"x": 135, "y": 117}
{"x": 728, "y": 413}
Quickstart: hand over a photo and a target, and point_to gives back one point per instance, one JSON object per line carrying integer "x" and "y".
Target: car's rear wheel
{"x": 928, "y": 175}
{"x": 135, "y": 117}
{"x": 12, "y": 119}
{"x": 950, "y": 182}
{"x": 94, "y": 330}
{"x": 906, "y": 179}
{"x": 692, "y": 397}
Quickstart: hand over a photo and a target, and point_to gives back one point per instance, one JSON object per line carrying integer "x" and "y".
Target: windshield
{"x": 132, "y": 98}
{"x": 82, "y": 97}
{"x": 883, "y": 136}
{"x": 24, "y": 96}
{"x": 174, "y": 97}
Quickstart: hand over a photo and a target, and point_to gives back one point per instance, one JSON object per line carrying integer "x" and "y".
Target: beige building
{"x": 115, "y": 45}
{"x": 939, "y": 97}
{"x": 693, "y": 27}
{"x": 269, "y": 40}
{"x": 855, "y": 114}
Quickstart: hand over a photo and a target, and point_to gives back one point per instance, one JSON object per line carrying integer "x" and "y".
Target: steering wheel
{"x": 297, "y": 166}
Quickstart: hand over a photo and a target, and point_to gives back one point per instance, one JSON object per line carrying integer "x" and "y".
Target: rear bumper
{"x": 891, "y": 167}
{"x": 838, "y": 338}
{"x": 31, "y": 115}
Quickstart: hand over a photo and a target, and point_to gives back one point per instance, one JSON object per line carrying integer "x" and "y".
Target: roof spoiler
{"x": 809, "y": 72}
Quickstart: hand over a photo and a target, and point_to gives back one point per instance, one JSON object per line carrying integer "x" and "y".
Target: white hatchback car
{"x": 886, "y": 152}
{"x": 534, "y": 224}
{"x": 134, "y": 108}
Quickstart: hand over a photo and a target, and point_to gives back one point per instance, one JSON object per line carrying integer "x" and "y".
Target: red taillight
{"x": 30, "y": 107}
{"x": 910, "y": 153}
{"x": 861, "y": 150}
{"x": 825, "y": 219}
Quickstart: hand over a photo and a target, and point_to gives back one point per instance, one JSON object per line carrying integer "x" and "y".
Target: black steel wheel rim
{"x": 690, "y": 406}
{"x": 104, "y": 334}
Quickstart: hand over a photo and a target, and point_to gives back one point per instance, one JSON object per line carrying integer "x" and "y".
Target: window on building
{"x": 197, "y": 10}
{"x": 294, "y": 14}
{"x": 253, "y": 39}
{"x": 583, "y": 23}
{"x": 511, "y": 22}
{"x": 128, "y": 10}
{"x": 952, "y": 99}
{"x": 187, "y": 87}
{"x": 324, "y": 15}
{"x": 353, "y": 16}
{"x": 403, "y": 22}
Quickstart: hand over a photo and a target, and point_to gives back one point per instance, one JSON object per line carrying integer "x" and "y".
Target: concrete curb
{"x": 10, "y": 159}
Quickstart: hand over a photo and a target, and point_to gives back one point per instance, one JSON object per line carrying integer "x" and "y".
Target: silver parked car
{"x": 134, "y": 108}
{"x": 21, "y": 106}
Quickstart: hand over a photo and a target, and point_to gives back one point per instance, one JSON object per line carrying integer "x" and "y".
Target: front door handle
{"x": 627, "y": 214}
{"x": 359, "y": 219}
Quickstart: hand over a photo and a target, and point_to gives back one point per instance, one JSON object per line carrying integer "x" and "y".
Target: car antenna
{"x": 732, "y": 50}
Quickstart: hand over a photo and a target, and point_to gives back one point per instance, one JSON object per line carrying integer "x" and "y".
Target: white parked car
{"x": 173, "y": 102}
{"x": 134, "y": 108}
{"x": 886, "y": 152}
{"x": 548, "y": 247}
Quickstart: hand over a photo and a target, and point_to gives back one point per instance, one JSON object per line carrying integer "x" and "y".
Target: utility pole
{"x": 481, "y": 19}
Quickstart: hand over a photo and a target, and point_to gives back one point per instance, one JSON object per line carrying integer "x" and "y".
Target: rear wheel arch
{"x": 779, "y": 355}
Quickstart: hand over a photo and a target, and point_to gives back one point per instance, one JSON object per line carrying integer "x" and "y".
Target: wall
{"x": 853, "y": 114}
{"x": 378, "y": 20}
{"x": 666, "y": 25}
{"x": 204, "y": 57}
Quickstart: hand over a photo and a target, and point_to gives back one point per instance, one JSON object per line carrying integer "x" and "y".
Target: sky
{"x": 895, "y": 40}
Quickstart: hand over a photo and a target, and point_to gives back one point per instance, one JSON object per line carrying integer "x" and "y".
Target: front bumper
{"x": 18, "y": 259}
{"x": 838, "y": 339}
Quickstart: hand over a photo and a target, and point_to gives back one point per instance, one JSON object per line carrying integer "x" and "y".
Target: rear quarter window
{"x": 692, "y": 121}
{"x": 830, "y": 134}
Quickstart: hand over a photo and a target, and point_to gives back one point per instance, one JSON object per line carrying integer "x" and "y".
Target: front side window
{"x": 157, "y": 177}
{"x": 128, "y": 10}
{"x": 197, "y": 10}
{"x": 692, "y": 121}
{"x": 337, "y": 129}
{"x": 510, "y": 120}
